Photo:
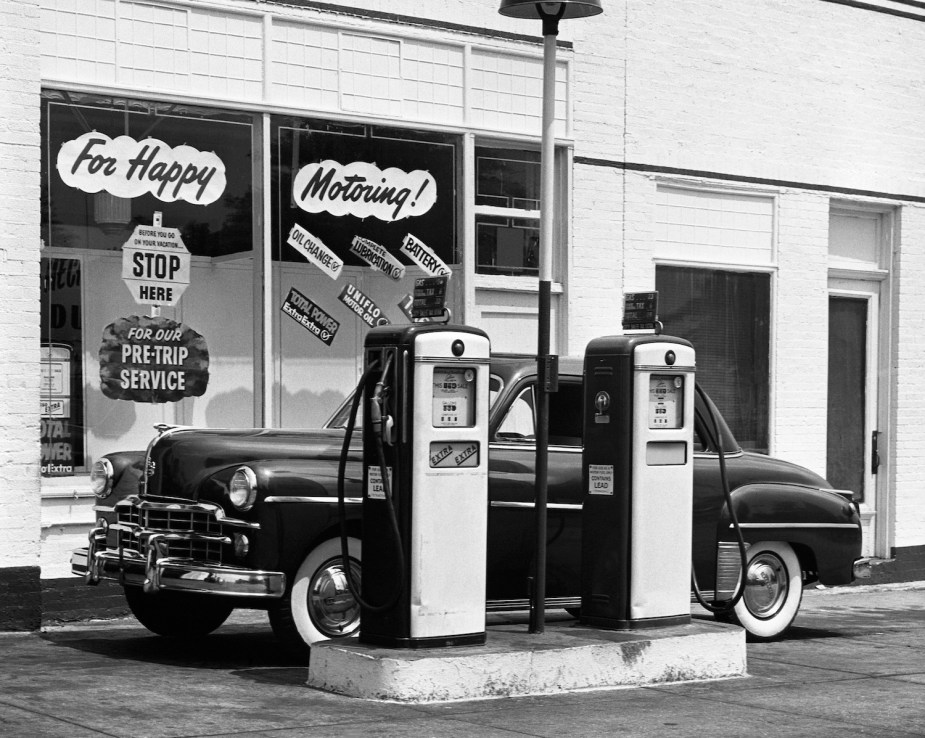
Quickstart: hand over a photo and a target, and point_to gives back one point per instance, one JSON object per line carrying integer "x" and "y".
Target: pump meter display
{"x": 666, "y": 401}
{"x": 454, "y": 397}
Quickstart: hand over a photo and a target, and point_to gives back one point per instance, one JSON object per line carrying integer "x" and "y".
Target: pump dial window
{"x": 454, "y": 397}
{"x": 666, "y": 401}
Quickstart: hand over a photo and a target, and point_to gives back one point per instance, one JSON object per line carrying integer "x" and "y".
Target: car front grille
{"x": 184, "y": 522}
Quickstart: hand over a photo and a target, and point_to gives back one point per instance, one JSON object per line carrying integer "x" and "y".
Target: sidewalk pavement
{"x": 853, "y": 663}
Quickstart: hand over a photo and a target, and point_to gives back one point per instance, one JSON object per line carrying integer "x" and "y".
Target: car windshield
{"x": 340, "y": 416}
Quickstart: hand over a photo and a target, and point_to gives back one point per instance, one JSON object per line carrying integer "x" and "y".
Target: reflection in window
{"x": 507, "y": 201}
{"x": 726, "y": 316}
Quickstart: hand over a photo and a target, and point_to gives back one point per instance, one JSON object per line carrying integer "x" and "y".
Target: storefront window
{"x": 726, "y": 315}
{"x": 507, "y": 201}
{"x": 147, "y": 238}
{"x": 359, "y": 213}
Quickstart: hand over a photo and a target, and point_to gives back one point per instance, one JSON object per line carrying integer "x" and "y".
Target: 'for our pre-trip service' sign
{"x": 156, "y": 265}
{"x": 152, "y": 360}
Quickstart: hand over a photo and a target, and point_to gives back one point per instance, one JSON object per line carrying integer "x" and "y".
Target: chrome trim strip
{"x": 531, "y": 505}
{"x": 664, "y": 368}
{"x": 516, "y": 604}
{"x": 451, "y": 360}
{"x": 532, "y": 446}
{"x": 180, "y": 575}
{"x": 320, "y": 500}
{"x": 207, "y": 508}
{"x": 781, "y": 526}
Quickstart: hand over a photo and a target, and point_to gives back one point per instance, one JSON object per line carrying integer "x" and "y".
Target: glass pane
{"x": 135, "y": 326}
{"x": 212, "y": 210}
{"x": 507, "y": 178}
{"x": 846, "y": 456}
{"x": 726, "y": 316}
{"x": 506, "y": 247}
{"x": 340, "y": 182}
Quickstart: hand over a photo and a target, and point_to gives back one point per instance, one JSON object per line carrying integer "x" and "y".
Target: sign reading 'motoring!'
{"x": 156, "y": 265}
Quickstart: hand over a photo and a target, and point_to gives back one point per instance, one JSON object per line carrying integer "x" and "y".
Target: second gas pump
{"x": 638, "y": 481}
{"x": 425, "y": 482}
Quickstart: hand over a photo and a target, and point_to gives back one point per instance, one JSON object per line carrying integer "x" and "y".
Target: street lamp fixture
{"x": 550, "y": 13}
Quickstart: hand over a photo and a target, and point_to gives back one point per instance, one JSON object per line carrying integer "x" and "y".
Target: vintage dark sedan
{"x": 204, "y": 520}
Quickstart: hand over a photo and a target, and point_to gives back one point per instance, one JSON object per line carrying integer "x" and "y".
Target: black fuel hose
{"x": 387, "y": 486}
{"x": 722, "y": 606}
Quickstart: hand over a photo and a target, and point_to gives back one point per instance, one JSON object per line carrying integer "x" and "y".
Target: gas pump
{"x": 425, "y": 480}
{"x": 638, "y": 477}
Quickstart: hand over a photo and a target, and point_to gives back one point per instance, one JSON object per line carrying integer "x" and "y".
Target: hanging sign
{"x": 424, "y": 257}
{"x": 156, "y": 265}
{"x": 362, "y": 189}
{"x": 311, "y": 317}
{"x": 315, "y": 251}
{"x": 640, "y": 310}
{"x": 128, "y": 168}
{"x": 369, "y": 312}
{"x": 429, "y": 297}
{"x": 152, "y": 360}
{"x": 377, "y": 257}
{"x": 405, "y": 305}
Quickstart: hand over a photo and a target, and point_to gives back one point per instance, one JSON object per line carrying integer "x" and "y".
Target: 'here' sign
{"x": 156, "y": 265}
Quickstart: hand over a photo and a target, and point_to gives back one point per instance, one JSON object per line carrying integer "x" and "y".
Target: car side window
{"x": 565, "y": 419}
{"x": 565, "y": 415}
{"x": 519, "y": 424}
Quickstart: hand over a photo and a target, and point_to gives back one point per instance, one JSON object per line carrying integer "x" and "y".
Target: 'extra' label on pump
{"x": 454, "y": 454}
{"x": 600, "y": 479}
{"x": 375, "y": 488}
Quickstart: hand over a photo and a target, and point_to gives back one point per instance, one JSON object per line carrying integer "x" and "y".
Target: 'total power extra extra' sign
{"x": 156, "y": 265}
{"x": 152, "y": 360}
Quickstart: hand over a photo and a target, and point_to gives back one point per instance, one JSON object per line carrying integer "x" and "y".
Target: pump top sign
{"x": 156, "y": 265}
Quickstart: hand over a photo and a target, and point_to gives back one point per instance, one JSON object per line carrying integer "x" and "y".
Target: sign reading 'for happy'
{"x": 128, "y": 168}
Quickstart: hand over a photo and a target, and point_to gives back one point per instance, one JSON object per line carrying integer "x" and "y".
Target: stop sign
{"x": 155, "y": 265}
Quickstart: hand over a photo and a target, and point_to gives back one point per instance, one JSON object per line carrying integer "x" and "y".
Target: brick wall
{"x": 907, "y": 449}
{"x": 19, "y": 319}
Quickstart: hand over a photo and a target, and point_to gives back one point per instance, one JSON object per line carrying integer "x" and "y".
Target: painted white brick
{"x": 19, "y": 262}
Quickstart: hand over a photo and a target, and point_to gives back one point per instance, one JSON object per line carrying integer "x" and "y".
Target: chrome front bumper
{"x": 861, "y": 569}
{"x": 155, "y": 572}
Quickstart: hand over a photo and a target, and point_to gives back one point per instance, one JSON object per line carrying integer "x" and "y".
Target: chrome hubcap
{"x": 332, "y": 607}
{"x": 766, "y": 586}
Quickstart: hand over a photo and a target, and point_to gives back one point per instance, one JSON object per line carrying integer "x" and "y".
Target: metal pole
{"x": 543, "y": 359}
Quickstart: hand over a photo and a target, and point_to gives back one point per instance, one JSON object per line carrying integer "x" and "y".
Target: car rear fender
{"x": 822, "y": 526}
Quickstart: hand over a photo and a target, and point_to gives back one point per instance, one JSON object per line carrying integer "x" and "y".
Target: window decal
{"x": 424, "y": 257}
{"x": 313, "y": 249}
{"x": 128, "y": 168}
{"x": 152, "y": 360}
{"x": 362, "y": 189}
{"x": 377, "y": 257}
{"x": 310, "y": 316}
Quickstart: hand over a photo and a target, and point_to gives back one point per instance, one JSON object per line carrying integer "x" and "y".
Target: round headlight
{"x": 242, "y": 491}
{"x": 101, "y": 478}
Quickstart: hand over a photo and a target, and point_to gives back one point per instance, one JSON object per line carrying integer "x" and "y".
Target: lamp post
{"x": 546, "y": 365}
